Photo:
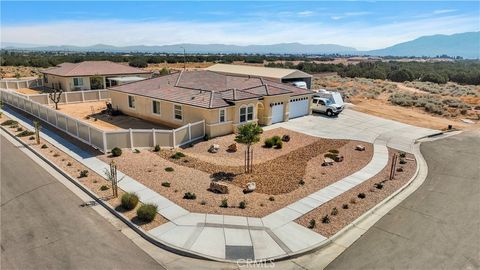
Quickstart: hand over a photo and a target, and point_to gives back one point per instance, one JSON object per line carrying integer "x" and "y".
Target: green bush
{"x": 276, "y": 139}
{"x": 403, "y": 161}
{"x": 311, "y": 224}
{"x": 136, "y": 151}
{"x": 44, "y": 146}
{"x": 379, "y": 185}
{"x": 19, "y": 129}
{"x": 334, "y": 211}
{"x": 269, "y": 143}
{"x": 224, "y": 203}
{"x": 116, "y": 152}
{"x": 83, "y": 173}
{"x": 156, "y": 148}
{"x": 9, "y": 123}
{"x": 331, "y": 155}
{"x": 104, "y": 187}
{"x": 333, "y": 151}
{"x": 147, "y": 212}
{"x": 169, "y": 169}
{"x": 166, "y": 184}
{"x": 177, "y": 155}
{"x": 403, "y": 154}
{"x": 279, "y": 145}
{"x": 242, "y": 205}
{"x": 361, "y": 195}
{"x": 326, "y": 219}
{"x": 189, "y": 196}
{"x": 345, "y": 206}
{"x": 129, "y": 201}
{"x": 25, "y": 133}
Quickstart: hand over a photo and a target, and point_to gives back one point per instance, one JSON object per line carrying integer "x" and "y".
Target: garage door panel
{"x": 298, "y": 107}
{"x": 277, "y": 113}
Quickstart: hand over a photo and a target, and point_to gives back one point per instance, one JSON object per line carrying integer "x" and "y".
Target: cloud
{"x": 160, "y": 32}
{"x": 306, "y": 13}
{"x": 350, "y": 14}
{"x": 443, "y": 11}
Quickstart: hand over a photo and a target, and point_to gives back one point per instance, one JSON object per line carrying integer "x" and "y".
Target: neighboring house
{"x": 223, "y": 101}
{"x": 282, "y": 75}
{"x": 91, "y": 75}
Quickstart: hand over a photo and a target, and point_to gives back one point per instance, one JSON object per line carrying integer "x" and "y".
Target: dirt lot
{"x": 13, "y": 72}
{"x": 28, "y": 91}
{"x": 93, "y": 181}
{"x": 357, "y": 206}
{"x": 91, "y": 112}
{"x": 278, "y": 177}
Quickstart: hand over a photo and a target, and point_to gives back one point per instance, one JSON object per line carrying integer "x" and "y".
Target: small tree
{"x": 37, "y": 131}
{"x": 249, "y": 134}
{"x": 112, "y": 177}
{"x": 55, "y": 96}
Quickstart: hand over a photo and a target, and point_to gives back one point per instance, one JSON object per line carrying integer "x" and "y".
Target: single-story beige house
{"x": 223, "y": 101}
{"x": 283, "y": 75}
{"x": 91, "y": 75}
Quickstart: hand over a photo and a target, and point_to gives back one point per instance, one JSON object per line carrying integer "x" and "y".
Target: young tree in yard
{"x": 249, "y": 134}
{"x": 37, "y": 131}
{"x": 112, "y": 177}
{"x": 55, "y": 97}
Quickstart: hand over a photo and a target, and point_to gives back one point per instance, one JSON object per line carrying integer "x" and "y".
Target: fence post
{"x": 104, "y": 135}
{"x": 66, "y": 97}
{"x": 189, "y": 132}
{"x": 83, "y": 96}
{"x": 203, "y": 123}
{"x": 78, "y": 133}
{"x": 131, "y": 137}
{"x": 154, "y": 139}
{"x": 174, "y": 143}
{"x": 89, "y": 135}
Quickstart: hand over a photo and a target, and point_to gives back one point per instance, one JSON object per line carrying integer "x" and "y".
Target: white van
{"x": 330, "y": 103}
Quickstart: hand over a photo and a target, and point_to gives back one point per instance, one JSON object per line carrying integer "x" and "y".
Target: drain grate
{"x": 239, "y": 252}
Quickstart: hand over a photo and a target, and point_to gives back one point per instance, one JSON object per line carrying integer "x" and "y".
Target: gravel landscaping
{"x": 92, "y": 181}
{"x": 277, "y": 185}
{"x": 356, "y": 205}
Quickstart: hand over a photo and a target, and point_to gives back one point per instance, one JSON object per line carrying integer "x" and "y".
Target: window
{"x": 222, "y": 115}
{"x": 156, "y": 107}
{"x": 246, "y": 114}
{"x": 177, "y": 110}
{"x": 131, "y": 102}
{"x": 77, "y": 81}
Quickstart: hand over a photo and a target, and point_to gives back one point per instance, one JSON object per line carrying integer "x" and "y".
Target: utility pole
{"x": 184, "y": 61}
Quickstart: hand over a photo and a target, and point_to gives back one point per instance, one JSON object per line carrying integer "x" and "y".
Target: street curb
{"x": 118, "y": 215}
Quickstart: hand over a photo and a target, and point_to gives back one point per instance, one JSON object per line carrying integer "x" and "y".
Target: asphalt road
{"x": 438, "y": 226}
{"x": 44, "y": 227}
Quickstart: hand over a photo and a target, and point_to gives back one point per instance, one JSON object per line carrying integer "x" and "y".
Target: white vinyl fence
{"x": 100, "y": 139}
{"x": 20, "y": 83}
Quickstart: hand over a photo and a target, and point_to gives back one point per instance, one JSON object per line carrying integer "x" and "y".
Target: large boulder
{"x": 232, "y": 147}
{"x": 327, "y": 161}
{"x": 286, "y": 138}
{"x": 251, "y": 186}
{"x": 360, "y": 147}
{"x": 214, "y": 148}
{"x": 218, "y": 188}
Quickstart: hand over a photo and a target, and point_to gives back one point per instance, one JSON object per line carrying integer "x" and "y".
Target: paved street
{"x": 44, "y": 227}
{"x": 438, "y": 226}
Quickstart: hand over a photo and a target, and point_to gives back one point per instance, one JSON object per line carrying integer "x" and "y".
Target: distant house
{"x": 91, "y": 75}
{"x": 223, "y": 101}
{"x": 282, "y": 75}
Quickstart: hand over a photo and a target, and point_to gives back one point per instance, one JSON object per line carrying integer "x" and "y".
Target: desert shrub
{"x": 31, "y": 138}
{"x": 104, "y": 187}
{"x": 271, "y": 198}
{"x": 147, "y": 212}
{"x": 136, "y": 151}
{"x": 400, "y": 169}
{"x": 19, "y": 129}
{"x": 242, "y": 205}
{"x": 333, "y": 151}
{"x": 165, "y": 184}
{"x": 189, "y": 196}
{"x": 116, "y": 152}
{"x": 269, "y": 143}
{"x": 9, "y": 122}
{"x": 203, "y": 202}
{"x": 25, "y": 133}
{"x": 402, "y": 161}
{"x": 326, "y": 219}
{"x": 286, "y": 138}
{"x": 169, "y": 169}
{"x": 44, "y": 146}
{"x": 353, "y": 201}
{"x": 69, "y": 164}
{"x": 276, "y": 139}
{"x": 279, "y": 145}
{"x": 361, "y": 195}
{"x": 345, "y": 206}
{"x": 379, "y": 185}
{"x": 83, "y": 173}
{"x": 311, "y": 224}
{"x": 331, "y": 155}
{"x": 402, "y": 154}
{"x": 156, "y": 148}
{"x": 301, "y": 182}
{"x": 56, "y": 155}
{"x": 177, "y": 155}
{"x": 334, "y": 211}
{"x": 224, "y": 203}
{"x": 129, "y": 201}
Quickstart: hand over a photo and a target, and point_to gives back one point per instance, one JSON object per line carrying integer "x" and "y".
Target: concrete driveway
{"x": 358, "y": 126}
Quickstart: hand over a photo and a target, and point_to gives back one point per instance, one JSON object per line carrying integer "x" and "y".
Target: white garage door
{"x": 277, "y": 112}
{"x": 298, "y": 107}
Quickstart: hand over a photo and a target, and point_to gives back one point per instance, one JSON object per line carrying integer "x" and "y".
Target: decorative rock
{"x": 360, "y": 147}
{"x": 338, "y": 158}
{"x": 286, "y": 138}
{"x": 232, "y": 147}
{"x": 218, "y": 188}
{"x": 327, "y": 162}
{"x": 214, "y": 148}
{"x": 251, "y": 186}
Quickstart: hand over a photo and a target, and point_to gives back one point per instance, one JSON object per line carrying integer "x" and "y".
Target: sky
{"x": 362, "y": 25}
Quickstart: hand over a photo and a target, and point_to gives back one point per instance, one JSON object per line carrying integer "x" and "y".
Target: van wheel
{"x": 329, "y": 113}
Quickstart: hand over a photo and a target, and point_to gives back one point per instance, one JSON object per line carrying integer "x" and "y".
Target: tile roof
{"x": 207, "y": 89}
{"x": 91, "y": 68}
{"x": 266, "y": 72}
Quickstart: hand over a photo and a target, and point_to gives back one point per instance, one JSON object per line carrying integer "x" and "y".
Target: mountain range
{"x": 466, "y": 45}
